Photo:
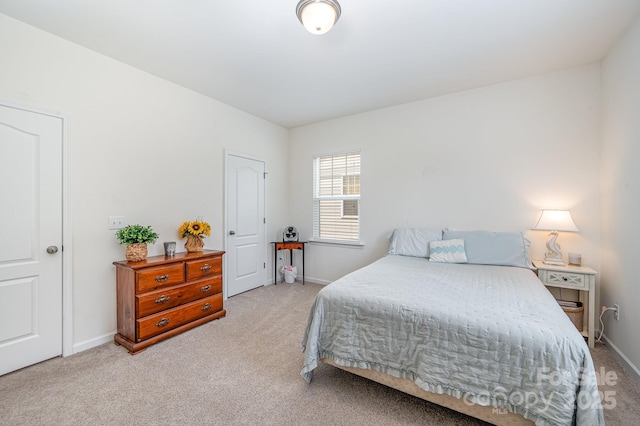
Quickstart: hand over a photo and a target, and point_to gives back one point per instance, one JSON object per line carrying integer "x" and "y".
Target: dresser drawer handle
{"x": 565, "y": 279}
{"x": 205, "y": 267}
{"x": 162, "y": 322}
{"x": 205, "y": 289}
{"x": 162, "y": 278}
{"x": 206, "y": 306}
{"x": 162, "y": 299}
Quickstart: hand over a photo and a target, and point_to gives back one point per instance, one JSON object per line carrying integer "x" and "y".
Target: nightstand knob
{"x": 565, "y": 279}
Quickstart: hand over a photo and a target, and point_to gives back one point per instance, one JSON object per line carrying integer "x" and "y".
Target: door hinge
{"x": 264, "y": 220}
{"x": 264, "y": 265}
{"x": 264, "y": 175}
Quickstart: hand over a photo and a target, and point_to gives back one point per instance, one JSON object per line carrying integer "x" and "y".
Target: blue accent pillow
{"x": 494, "y": 248}
{"x": 448, "y": 251}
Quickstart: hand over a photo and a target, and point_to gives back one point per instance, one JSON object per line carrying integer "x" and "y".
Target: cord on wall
{"x": 604, "y": 309}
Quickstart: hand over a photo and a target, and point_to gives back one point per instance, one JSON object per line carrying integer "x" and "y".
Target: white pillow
{"x": 413, "y": 241}
{"x": 448, "y": 251}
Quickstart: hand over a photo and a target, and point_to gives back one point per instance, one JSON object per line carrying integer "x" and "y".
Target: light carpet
{"x": 239, "y": 370}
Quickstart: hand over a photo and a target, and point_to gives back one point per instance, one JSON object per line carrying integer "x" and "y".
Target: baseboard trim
{"x": 92, "y": 343}
{"x": 626, "y": 363}
{"x": 316, "y": 281}
{"x": 306, "y": 280}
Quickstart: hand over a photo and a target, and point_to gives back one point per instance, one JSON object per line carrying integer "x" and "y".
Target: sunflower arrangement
{"x": 197, "y": 228}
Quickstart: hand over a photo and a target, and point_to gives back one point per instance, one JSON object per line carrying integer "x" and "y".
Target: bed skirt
{"x": 491, "y": 415}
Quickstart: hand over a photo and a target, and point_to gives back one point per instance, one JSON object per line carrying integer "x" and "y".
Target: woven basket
{"x": 576, "y": 315}
{"x": 194, "y": 244}
{"x": 136, "y": 252}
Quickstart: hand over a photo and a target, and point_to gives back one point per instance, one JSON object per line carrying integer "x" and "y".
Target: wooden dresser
{"x": 162, "y": 296}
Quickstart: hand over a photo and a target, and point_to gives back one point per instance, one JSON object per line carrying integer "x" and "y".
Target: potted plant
{"x": 136, "y": 237}
{"x": 195, "y": 231}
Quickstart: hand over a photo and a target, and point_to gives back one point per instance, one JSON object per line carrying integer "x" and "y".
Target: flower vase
{"x": 194, "y": 244}
{"x": 136, "y": 252}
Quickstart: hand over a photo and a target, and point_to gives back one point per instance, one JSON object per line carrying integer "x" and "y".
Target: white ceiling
{"x": 256, "y": 56}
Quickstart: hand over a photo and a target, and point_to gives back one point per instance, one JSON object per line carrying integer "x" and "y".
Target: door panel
{"x": 245, "y": 255}
{"x": 245, "y": 241}
{"x": 30, "y": 221}
{"x": 17, "y": 224}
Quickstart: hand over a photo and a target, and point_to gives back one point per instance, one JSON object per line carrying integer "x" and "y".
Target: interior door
{"x": 245, "y": 213}
{"x": 31, "y": 243}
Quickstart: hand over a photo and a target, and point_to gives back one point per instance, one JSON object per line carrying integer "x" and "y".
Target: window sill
{"x": 354, "y": 244}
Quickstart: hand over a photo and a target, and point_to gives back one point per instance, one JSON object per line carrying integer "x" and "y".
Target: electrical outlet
{"x": 116, "y": 222}
{"x": 616, "y": 313}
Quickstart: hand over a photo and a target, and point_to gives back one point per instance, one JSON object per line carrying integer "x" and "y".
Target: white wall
{"x": 621, "y": 193}
{"x": 142, "y": 148}
{"x": 490, "y": 158}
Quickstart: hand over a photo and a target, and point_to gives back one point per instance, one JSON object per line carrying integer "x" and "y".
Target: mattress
{"x": 489, "y": 335}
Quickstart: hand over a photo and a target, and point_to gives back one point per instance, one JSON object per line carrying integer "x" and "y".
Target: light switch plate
{"x": 116, "y": 222}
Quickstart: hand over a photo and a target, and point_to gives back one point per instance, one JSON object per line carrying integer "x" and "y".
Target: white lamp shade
{"x": 318, "y": 17}
{"x": 556, "y": 220}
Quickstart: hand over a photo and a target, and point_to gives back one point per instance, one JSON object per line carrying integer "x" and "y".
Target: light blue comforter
{"x": 491, "y": 335}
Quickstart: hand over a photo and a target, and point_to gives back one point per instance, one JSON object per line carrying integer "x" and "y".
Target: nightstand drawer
{"x": 565, "y": 279}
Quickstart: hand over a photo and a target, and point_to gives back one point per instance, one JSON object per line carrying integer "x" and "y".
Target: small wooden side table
{"x": 290, "y": 245}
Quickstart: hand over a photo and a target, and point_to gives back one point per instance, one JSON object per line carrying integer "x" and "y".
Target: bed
{"x": 484, "y": 339}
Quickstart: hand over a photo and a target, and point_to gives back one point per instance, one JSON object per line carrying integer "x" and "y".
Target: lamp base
{"x": 553, "y": 256}
{"x": 553, "y": 261}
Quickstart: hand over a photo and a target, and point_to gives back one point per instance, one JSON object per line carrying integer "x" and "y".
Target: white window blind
{"x": 336, "y": 197}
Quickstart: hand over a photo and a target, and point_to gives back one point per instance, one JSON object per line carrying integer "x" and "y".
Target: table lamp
{"x": 554, "y": 221}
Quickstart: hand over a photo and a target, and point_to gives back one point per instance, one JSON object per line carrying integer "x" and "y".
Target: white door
{"x": 31, "y": 237}
{"x": 245, "y": 239}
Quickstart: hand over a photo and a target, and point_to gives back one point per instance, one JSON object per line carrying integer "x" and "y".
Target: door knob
{"x": 232, "y": 232}
{"x": 52, "y": 249}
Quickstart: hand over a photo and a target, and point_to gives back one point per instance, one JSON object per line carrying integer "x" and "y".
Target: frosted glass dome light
{"x": 318, "y": 16}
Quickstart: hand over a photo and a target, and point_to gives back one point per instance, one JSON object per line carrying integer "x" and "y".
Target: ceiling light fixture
{"x": 318, "y": 16}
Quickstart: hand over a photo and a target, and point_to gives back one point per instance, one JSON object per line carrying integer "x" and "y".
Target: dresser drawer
{"x": 197, "y": 269}
{"x": 565, "y": 279}
{"x": 167, "y": 298}
{"x": 161, "y": 276}
{"x": 172, "y": 318}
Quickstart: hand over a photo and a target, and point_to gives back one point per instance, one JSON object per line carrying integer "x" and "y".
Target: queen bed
{"x": 485, "y": 339}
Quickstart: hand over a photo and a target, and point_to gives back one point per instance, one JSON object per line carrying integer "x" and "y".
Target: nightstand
{"x": 579, "y": 278}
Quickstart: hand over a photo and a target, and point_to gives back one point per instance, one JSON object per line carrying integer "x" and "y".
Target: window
{"x": 336, "y": 197}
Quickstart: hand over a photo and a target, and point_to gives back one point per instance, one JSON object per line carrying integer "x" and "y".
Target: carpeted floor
{"x": 240, "y": 370}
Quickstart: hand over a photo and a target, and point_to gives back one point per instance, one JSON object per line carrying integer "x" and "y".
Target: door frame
{"x": 227, "y": 154}
{"x": 67, "y": 254}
